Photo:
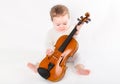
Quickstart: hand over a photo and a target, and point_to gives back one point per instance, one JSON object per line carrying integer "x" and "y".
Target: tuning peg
{"x": 86, "y": 21}
{"x": 78, "y": 19}
{"x": 81, "y": 17}
{"x": 89, "y": 19}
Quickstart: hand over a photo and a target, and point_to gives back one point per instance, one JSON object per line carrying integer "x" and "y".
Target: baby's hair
{"x": 59, "y": 10}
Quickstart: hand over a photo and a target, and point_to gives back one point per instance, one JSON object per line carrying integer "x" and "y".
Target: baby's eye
{"x": 64, "y": 23}
{"x": 58, "y": 24}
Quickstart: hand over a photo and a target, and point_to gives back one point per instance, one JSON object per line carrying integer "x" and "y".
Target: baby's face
{"x": 61, "y": 23}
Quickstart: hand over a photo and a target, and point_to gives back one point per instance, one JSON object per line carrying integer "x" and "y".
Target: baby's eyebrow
{"x": 65, "y": 22}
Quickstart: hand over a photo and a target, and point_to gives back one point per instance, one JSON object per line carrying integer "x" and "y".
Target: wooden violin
{"x": 53, "y": 67}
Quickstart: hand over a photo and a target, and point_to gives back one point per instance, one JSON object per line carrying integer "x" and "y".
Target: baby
{"x": 60, "y": 18}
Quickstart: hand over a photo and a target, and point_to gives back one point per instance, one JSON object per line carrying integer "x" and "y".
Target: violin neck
{"x": 67, "y": 40}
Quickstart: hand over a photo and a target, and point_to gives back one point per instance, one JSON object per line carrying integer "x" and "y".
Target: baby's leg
{"x": 78, "y": 64}
{"x": 33, "y": 67}
{"x": 71, "y": 59}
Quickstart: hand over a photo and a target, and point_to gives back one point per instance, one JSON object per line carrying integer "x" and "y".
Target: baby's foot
{"x": 80, "y": 69}
{"x": 83, "y": 71}
{"x": 32, "y": 67}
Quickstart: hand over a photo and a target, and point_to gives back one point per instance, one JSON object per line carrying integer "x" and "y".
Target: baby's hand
{"x": 49, "y": 52}
{"x": 78, "y": 29}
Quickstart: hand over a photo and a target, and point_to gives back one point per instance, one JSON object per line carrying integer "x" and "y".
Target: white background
{"x": 23, "y": 27}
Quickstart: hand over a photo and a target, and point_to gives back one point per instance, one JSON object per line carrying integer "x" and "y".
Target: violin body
{"x": 53, "y": 67}
{"x": 58, "y": 59}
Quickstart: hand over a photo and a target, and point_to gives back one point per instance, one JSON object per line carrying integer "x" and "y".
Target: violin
{"x": 53, "y": 67}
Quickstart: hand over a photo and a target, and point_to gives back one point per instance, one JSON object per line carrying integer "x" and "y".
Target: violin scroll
{"x": 84, "y": 19}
